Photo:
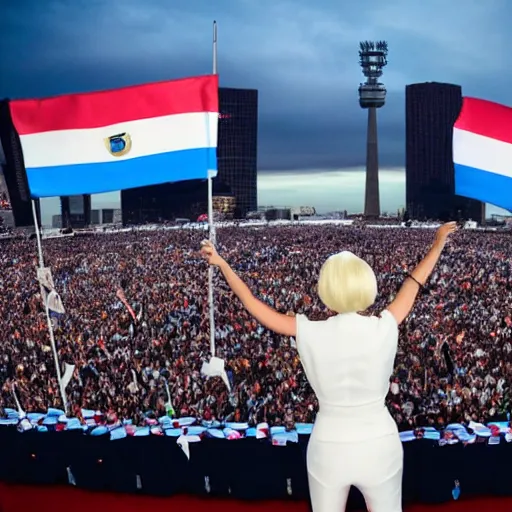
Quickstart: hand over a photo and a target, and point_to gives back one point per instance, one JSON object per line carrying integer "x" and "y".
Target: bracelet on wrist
{"x": 410, "y": 276}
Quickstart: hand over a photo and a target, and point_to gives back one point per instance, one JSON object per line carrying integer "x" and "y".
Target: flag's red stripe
{"x": 486, "y": 118}
{"x": 104, "y": 108}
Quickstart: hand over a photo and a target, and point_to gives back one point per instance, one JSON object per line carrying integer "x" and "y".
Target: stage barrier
{"x": 249, "y": 469}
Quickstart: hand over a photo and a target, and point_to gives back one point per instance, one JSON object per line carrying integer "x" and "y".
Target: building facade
{"x": 75, "y": 211}
{"x": 98, "y": 217}
{"x": 237, "y": 170}
{"x": 431, "y": 111}
{"x": 13, "y": 170}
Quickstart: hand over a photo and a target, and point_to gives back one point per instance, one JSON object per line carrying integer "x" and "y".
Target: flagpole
{"x": 215, "y": 70}
{"x": 55, "y": 355}
{"x": 211, "y": 225}
{"x": 47, "y": 310}
{"x": 38, "y": 235}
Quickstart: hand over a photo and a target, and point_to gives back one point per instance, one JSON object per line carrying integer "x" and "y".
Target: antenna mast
{"x": 373, "y": 56}
{"x": 215, "y": 71}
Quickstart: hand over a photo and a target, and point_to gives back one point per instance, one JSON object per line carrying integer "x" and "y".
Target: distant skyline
{"x": 327, "y": 191}
{"x": 301, "y": 56}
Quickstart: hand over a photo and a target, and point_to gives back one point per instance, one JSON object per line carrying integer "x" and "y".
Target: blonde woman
{"x": 348, "y": 360}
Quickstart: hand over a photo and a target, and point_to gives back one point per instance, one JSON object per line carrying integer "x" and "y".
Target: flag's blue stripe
{"x": 68, "y": 180}
{"x": 485, "y": 186}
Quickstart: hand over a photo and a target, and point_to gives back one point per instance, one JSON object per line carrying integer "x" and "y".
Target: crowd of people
{"x": 455, "y": 351}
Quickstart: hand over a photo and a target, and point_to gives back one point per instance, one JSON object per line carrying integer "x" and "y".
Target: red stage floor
{"x": 48, "y": 499}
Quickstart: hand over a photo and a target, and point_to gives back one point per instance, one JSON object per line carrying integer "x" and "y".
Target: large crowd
{"x": 455, "y": 352}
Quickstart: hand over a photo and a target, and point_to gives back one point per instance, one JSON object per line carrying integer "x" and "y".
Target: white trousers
{"x": 374, "y": 466}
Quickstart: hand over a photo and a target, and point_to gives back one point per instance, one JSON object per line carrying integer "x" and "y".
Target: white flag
{"x": 54, "y": 303}
{"x": 68, "y": 375}
{"x": 49, "y": 295}
{"x": 133, "y": 387}
{"x": 45, "y": 278}
{"x": 182, "y": 442}
{"x": 215, "y": 368}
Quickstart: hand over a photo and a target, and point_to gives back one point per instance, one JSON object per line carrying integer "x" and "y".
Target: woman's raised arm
{"x": 404, "y": 300}
{"x": 264, "y": 314}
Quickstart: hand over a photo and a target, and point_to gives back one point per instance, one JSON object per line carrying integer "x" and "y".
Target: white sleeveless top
{"x": 348, "y": 360}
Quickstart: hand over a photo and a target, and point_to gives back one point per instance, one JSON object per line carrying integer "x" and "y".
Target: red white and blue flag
{"x": 482, "y": 152}
{"x": 119, "y": 139}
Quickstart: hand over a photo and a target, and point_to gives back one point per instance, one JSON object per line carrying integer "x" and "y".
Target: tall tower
{"x": 372, "y": 95}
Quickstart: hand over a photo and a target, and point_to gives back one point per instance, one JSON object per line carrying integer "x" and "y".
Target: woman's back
{"x": 348, "y": 360}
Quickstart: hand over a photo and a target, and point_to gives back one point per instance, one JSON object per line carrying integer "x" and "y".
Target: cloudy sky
{"x": 301, "y": 55}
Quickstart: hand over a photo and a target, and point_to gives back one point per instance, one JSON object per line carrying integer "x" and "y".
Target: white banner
{"x": 68, "y": 375}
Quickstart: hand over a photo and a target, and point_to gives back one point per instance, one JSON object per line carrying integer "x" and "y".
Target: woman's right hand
{"x": 444, "y": 232}
{"x": 210, "y": 254}
{"x": 404, "y": 300}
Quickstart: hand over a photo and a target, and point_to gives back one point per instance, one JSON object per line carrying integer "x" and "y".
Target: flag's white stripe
{"x": 149, "y": 137}
{"x": 213, "y": 123}
{"x": 481, "y": 152}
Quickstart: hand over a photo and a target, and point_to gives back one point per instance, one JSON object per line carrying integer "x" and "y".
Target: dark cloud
{"x": 301, "y": 57}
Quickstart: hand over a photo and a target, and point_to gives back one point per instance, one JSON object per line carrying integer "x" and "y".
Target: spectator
{"x": 122, "y": 366}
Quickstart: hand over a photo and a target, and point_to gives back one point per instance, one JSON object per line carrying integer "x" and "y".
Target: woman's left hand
{"x": 210, "y": 254}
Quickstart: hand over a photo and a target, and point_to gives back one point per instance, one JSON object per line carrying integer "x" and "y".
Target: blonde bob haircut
{"x": 347, "y": 284}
